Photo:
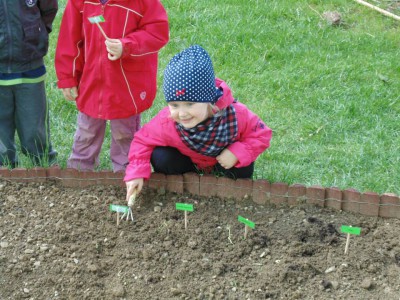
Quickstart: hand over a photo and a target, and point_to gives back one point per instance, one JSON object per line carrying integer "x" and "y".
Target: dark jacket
{"x": 24, "y": 33}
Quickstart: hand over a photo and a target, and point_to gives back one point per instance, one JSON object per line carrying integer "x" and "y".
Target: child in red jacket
{"x": 203, "y": 129}
{"x": 110, "y": 72}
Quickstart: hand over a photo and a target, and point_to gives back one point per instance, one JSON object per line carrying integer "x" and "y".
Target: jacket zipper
{"x": 8, "y": 37}
{"x": 100, "y": 114}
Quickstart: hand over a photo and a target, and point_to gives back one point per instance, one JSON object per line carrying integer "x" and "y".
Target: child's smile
{"x": 188, "y": 114}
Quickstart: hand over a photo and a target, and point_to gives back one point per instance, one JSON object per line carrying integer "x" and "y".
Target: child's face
{"x": 189, "y": 114}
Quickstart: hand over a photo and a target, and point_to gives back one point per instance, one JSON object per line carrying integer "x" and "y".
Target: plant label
{"x": 246, "y": 222}
{"x": 119, "y": 208}
{"x": 184, "y": 206}
{"x": 351, "y": 230}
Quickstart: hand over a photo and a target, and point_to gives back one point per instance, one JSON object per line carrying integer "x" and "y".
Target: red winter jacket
{"x": 253, "y": 138}
{"x": 111, "y": 89}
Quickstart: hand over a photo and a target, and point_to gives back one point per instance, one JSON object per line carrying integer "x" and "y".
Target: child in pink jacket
{"x": 203, "y": 128}
{"x": 109, "y": 71}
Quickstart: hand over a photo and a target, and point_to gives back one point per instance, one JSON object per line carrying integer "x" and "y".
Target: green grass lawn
{"x": 330, "y": 93}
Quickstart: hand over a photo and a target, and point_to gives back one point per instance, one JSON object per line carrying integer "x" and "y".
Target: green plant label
{"x": 246, "y": 222}
{"x": 351, "y": 230}
{"x": 184, "y": 206}
{"x": 96, "y": 19}
{"x": 119, "y": 208}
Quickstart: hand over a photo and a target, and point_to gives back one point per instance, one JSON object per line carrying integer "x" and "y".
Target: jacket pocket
{"x": 133, "y": 64}
{"x": 35, "y": 40}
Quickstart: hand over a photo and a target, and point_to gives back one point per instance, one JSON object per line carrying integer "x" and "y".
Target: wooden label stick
{"x": 97, "y": 20}
{"x": 185, "y": 207}
{"x": 248, "y": 224}
{"x": 349, "y": 230}
{"x": 186, "y": 221}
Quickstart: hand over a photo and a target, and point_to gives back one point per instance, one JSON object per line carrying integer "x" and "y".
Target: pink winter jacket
{"x": 253, "y": 138}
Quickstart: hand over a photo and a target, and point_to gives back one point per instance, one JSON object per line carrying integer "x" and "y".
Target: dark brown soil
{"x": 61, "y": 243}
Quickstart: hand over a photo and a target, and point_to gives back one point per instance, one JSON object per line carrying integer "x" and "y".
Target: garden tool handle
{"x": 132, "y": 198}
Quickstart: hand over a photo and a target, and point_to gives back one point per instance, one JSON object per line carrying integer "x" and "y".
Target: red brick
{"x": 87, "y": 178}
{"x": 53, "y": 173}
{"x": 240, "y": 189}
{"x": 175, "y": 183}
{"x": 333, "y": 198}
{"x": 316, "y": 195}
{"x": 157, "y": 181}
{"x": 191, "y": 183}
{"x": 108, "y": 177}
{"x": 351, "y": 200}
{"x": 296, "y": 193}
{"x": 69, "y": 177}
{"x": 226, "y": 188}
{"x": 19, "y": 175}
{"x": 208, "y": 185}
{"x": 100, "y": 177}
{"x": 243, "y": 188}
{"x": 116, "y": 178}
{"x": 390, "y": 206}
{"x": 279, "y": 193}
{"x": 38, "y": 174}
{"x": 261, "y": 191}
{"x": 369, "y": 205}
{"x": 4, "y": 172}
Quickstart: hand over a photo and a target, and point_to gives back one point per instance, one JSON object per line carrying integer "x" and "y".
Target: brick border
{"x": 261, "y": 191}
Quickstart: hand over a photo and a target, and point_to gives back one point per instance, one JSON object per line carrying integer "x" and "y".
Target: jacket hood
{"x": 226, "y": 99}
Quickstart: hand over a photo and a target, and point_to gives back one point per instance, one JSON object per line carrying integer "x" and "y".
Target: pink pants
{"x": 89, "y": 137}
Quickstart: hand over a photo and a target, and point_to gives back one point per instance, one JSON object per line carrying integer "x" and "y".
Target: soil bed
{"x": 62, "y": 243}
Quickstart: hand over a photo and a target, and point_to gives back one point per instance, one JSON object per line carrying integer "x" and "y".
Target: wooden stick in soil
{"x": 382, "y": 11}
{"x": 349, "y": 230}
{"x": 117, "y": 218}
{"x": 246, "y": 229}
{"x": 346, "y": 248}
{"x": 248, "y": 224}
{"x": 186, "y": 221}
{"x": 185, "y": 207}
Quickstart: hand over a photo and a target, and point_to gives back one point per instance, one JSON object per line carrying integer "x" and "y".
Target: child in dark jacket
{"x": 203, "y": 129}
{"x": 24, "y": 37}
{"x": 110, "y": 71}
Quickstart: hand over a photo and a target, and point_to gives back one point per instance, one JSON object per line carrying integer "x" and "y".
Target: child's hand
{"x": 70, "y": 93}
{"x": 131, "y": 186}
{"x": 227, "y": 159}
{"x": 114, "y": 48}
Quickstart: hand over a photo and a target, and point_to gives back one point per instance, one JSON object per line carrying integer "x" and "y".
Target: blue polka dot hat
{"x": 189, "y": 76}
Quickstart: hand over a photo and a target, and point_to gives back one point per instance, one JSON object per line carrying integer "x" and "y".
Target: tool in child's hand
{"x": 131, "y": 202}
{"x": 97, "y": 20}
{"x": 119, "y": 209}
